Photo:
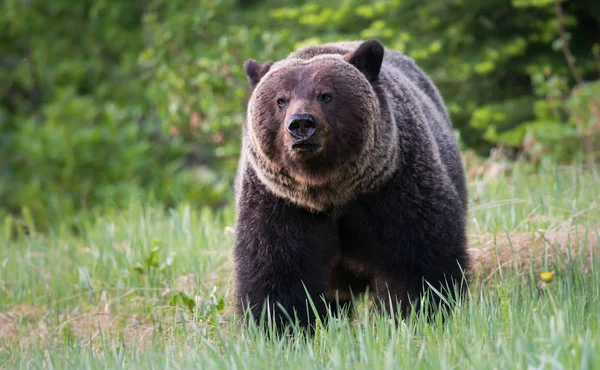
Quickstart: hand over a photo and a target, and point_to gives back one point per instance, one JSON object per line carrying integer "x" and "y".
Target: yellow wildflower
{"x": 546, "y": 276}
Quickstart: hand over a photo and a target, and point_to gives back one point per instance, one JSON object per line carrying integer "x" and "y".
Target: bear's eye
{"x": 281, "y": 102}
{"x": 326, "y": 98}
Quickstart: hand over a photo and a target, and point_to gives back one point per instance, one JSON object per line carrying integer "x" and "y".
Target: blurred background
{"x": 105, "y": 101}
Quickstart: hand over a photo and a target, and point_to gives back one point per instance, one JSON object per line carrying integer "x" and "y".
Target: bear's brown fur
{"x": 350, "y": 178}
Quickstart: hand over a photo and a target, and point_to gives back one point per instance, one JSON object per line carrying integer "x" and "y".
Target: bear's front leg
{"x": 281, "y": 252}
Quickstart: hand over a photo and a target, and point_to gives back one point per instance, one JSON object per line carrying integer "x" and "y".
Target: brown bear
{"x": 349, "y": 179}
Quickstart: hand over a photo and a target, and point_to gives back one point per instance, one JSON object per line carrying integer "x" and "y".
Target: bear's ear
{"x": 367, "y": 58}
{"x": 254, "y": 71}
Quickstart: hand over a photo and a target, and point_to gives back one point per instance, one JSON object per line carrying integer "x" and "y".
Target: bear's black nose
{"x": 301, "y": 126}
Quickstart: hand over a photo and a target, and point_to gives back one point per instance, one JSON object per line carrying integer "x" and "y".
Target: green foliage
{"x": 79, "y": 126}
{"x": 102, "y": 101}
{"x": 84, "y": 153}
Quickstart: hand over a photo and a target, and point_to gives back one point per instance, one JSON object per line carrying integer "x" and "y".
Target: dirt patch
{"x": 540, "y": 250}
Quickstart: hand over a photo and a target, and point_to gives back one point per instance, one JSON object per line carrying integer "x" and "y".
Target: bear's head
{"x": 311, "y": 122}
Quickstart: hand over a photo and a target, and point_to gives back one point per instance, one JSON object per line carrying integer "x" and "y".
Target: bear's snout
{"x": 301, "y": 126}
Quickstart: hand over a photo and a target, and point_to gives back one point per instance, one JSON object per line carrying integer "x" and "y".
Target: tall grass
{"x": 145, "y": 288}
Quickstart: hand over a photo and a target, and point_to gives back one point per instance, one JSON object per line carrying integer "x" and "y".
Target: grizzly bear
{"x": 349, "y": 179}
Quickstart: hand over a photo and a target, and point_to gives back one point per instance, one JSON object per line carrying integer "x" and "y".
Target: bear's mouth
{"x": 305, "y": 146}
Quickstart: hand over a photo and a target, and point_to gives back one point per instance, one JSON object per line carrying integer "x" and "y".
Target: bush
{"x": 78, "y": 126}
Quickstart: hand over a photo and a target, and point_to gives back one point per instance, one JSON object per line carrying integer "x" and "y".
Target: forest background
{"x": 102, "y": 102}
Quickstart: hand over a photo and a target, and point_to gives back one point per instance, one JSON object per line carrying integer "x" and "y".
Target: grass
{"x": 144, "y": 288}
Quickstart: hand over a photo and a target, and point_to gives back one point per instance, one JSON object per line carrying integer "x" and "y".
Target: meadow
{"x": 149, "y": 287}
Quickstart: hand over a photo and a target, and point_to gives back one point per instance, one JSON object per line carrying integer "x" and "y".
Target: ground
{"x": 146, "y": 288}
